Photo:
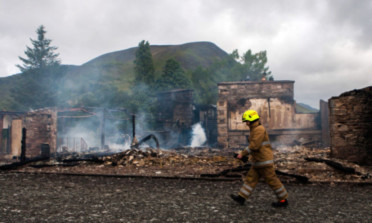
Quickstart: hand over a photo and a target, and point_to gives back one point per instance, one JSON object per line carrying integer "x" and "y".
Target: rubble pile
{"x": 292, "y": 163}
{"x": 195, "y": 162}
{"x": 298, "y": 160}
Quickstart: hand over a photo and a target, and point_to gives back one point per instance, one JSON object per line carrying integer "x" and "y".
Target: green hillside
{"x": 118, "y": 67}
{"x": 105, "y": 79}
{"x": 6, "y": 84}
{"x": 305, "y": 109}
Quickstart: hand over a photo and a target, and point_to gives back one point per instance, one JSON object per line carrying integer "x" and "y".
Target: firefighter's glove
{"x": 241, "y": 157}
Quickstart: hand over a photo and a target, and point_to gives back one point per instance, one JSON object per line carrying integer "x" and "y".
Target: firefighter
{"x": 262, "y": 162}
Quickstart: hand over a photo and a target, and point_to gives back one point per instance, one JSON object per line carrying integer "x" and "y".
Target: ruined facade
{"x": 206, "y": 115}
{"x": 177, "y": 113}
{"x": 351, "y": 126}
{"x": 175, "y": 108}
{"x": 175, "y": 117}
{"x": 274, "y": 101}
{"x": 41, "y": 133}
{"x": 11, "y": 134}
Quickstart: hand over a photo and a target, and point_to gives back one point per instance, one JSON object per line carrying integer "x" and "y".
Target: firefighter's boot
{"x": 279, "y": 204}
{"x": 239, "y": 199}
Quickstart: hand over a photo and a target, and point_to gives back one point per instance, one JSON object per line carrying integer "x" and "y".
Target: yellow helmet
{"x": 250, "y": 116}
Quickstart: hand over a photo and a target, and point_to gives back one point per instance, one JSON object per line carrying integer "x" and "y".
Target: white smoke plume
{"x": 198, "y": 135}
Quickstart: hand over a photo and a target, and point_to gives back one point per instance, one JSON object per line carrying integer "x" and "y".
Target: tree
{"x": 144, "y": 65}
{"x": 173, "y": 77}
{"x": 37, "y": 89}
{"x": 255, "y": 66}
{"x": 204, "y": 85}
{"x": 41, "y": 55}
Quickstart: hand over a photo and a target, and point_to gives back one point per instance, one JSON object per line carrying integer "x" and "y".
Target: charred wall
{"x": 324, "y": 117}
{"x": 351, "y": 126}
{"x": 175, "y": 108}
{"x": 41, "y": 129}
{"x": 175, "y": 116}
{"x": 206, "y": 115}
{"x": 10, "y": 132}
{"x": 274, "y": 101}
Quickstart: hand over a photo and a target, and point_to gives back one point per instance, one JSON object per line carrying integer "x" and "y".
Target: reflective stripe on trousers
{"x": 281, "y": 192}
{"x": 246, "y": 190}
{"x": 263, "y": 163}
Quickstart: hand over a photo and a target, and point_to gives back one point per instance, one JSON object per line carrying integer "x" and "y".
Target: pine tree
{"x": 144, "y": 65}
{"x": 173, "y": 77}
{"x": 41, "y": 55}
{"x": 41, "y": 67}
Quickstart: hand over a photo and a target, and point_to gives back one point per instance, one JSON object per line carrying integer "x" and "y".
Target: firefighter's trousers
{"x": 268, "y": 173}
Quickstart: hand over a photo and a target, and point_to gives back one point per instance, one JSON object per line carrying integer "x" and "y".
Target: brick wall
{"x": 41, "y": 128}
{"x": 351, "y": 126}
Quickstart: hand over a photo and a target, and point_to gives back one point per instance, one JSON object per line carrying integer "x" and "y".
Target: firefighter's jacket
{"x": 259, "y": 146}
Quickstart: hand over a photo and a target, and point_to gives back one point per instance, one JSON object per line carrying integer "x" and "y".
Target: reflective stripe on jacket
{"x": 259, "y": 146}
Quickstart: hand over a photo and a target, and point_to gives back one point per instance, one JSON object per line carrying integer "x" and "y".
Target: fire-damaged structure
{"x": 274, "y": 101}
{"x": 177, "y": 113}
{"x": 47, "y": 132}
{"x": 351, "y": 126}
{"x": 36, "y": 131}
{"x": 175, "y": 108}
{"x": 175, "y": 116}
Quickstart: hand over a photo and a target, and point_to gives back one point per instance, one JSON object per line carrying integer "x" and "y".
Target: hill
{"x": 6, "y": 85}
{"x": 110, "y": 73}
{"x": 118, "y": 66}
{"x": 304, "y": 108}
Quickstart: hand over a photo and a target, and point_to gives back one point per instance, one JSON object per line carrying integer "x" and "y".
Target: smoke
{"x": 82, "y": 132}
{"x": 198, "y": 135}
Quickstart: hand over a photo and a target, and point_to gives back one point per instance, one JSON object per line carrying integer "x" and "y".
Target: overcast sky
{"x": 325, "y": 46}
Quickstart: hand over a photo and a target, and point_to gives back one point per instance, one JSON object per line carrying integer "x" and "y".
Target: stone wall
{"x": 41, "y": 129}
{"x": 235, "y": 91}
{"x": 351, "y": 126}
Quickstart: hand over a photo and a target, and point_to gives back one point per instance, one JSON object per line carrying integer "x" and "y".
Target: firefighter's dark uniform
{"x": 262, "y": 163}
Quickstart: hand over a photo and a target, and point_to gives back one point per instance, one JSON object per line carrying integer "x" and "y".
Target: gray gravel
{"x": 60, "y": 198}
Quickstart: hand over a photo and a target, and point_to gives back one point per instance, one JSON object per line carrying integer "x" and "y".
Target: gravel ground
{"x": 61, "y": 198}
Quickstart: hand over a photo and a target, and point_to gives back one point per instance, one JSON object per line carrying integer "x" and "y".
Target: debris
{"x": 203, "y": 162}
{"x": 246, "y": 167}
{"x": 151, "y": 136}
{"x": 301, "y": 179}
{"x": 336, "y": 165}
{"x": 53, "y": 165}
{"x": 16, "y": 165}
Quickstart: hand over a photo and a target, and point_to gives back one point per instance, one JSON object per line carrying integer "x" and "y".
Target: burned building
{"x": 351, "y": 126}
{"x": 177, "y": 113}
{"x": 274, "y": 101}
{"x": 37, "y": 128}
{"x": 175, "y": 116}
{"x": 175, "y": 108}
{"x": 11, "y": 134}
{"x": 207, "y": 116}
